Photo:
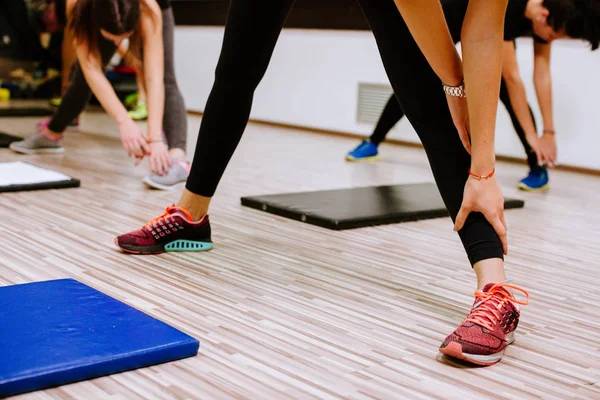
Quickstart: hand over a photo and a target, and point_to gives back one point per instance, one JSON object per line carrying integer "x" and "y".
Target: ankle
{"x": 177, "y": 154}
{"x": 488, "y": 271}
{"x": 195, "y": 204}
{"x": 51, "y": 134}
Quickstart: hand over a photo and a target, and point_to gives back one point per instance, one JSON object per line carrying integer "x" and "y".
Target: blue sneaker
{"x": 366, "y": 151}
{"x": 536, "y": 181}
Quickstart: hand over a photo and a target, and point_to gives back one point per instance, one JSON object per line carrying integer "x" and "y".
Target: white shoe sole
{"x": 155, "y": 185}
{"x": 21, "y": 150}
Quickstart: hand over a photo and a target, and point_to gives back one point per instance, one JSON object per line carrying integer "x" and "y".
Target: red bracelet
{"x": 480, "y": 177}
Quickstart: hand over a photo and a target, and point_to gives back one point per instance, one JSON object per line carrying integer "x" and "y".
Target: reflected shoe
{"x": 38, "y": 143}
{"x": 140, "y": 112}
{"x": 482, "y": 338}
{"x": 536, "y": 181}
{"x": 172, "y": 231}
{"x": 366, "y": 151}
{"x": 176, "y": 177}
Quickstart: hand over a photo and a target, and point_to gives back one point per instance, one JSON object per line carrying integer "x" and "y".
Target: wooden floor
{"x": 285, "y": 310}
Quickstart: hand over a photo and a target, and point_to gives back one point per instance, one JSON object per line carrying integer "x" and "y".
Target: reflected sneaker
{"x": 38, "y": 143}
{"x": 172, "y": 231}
{"x": 140, "y": 112}
{"x": 366, "y": 151}
{"x": 177, "y": 176}
{"x": 537, "y": 180}
{"x": 489, "y": 328}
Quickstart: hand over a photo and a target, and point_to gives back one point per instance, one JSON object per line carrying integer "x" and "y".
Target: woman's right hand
{"x": 133, "y": 139}
{"x": 484, "y": 196}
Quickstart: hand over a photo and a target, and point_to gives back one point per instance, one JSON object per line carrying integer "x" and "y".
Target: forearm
{"x": 426, "y": 22}
{"x": 518, "y": 100}
{"x": 105, "y": 94}
{"x": 482, "y": 38}
{"x": 156, "y": 103}
{"x": 153, "y": 72}
{"x": 543, "y": 90}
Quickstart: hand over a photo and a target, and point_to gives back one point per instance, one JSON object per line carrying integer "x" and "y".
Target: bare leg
{"x": 195, "y": 204}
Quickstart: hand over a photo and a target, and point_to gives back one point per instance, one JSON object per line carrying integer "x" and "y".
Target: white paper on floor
{"x": 21, "y": 173}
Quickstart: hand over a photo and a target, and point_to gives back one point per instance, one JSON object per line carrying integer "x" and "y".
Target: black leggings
{"x": 392, "y": 113}
{"x": 251, "y": 32}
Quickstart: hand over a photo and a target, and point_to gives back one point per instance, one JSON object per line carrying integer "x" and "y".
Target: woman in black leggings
{"x": 392, "y": 114}
{"x": 544, "y": 20}
{"x": 251, "y": 33}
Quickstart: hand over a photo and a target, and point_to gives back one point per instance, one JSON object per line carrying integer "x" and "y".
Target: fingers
{"x": 158, "y": 165}
{"x": 128, "y": 147}
{"x": 500, "y": 229}
{"x": 160, "y": 162}
{"x": 133, "y": 147}
{"x": 152, "y": 164}
{"x": 142, "y": 144}
{"x": 503, "y": 221}
{"x": 166, "y": 162}
{"x": 539, "y": 156}
{"x": 461, "y": 217}
{"x": 498, "y": 222}
{"x": 145, "y": 147}
{"x": 548, "y": 158}
{"x": 137, "y": 148}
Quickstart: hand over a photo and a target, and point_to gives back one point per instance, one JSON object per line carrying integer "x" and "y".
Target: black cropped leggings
{"x": 392, "y": 113}
{"x": 251, "y": 32}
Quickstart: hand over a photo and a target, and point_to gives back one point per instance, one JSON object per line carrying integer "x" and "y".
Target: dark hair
{"x": 114, "y": 16}
{"x": 579, "y": 18}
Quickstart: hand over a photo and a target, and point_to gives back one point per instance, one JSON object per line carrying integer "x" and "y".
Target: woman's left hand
{"x": 460, "y": 117}
{"x": 548, "y": 149}
{"x": 159, "y": 159}
{"x": 484, "y": 196}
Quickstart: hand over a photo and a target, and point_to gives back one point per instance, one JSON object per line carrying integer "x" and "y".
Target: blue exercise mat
{"x": 62, "y": 331}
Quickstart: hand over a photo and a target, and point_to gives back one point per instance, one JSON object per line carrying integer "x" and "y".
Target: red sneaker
{"x": 489, "y": 328}
{"x": 172, "y": 231}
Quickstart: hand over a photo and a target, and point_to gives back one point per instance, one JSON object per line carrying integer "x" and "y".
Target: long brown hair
{"x": 114, "y": 16}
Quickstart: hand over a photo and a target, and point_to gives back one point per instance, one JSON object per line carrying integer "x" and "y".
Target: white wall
{"x": 313, "y": 82}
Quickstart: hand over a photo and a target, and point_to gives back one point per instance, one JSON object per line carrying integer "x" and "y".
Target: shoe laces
{"x": 166, "y": 217}
{"x": 487, "y": 311}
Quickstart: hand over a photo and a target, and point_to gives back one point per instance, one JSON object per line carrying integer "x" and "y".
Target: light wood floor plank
{"x": 288, "y": 310}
